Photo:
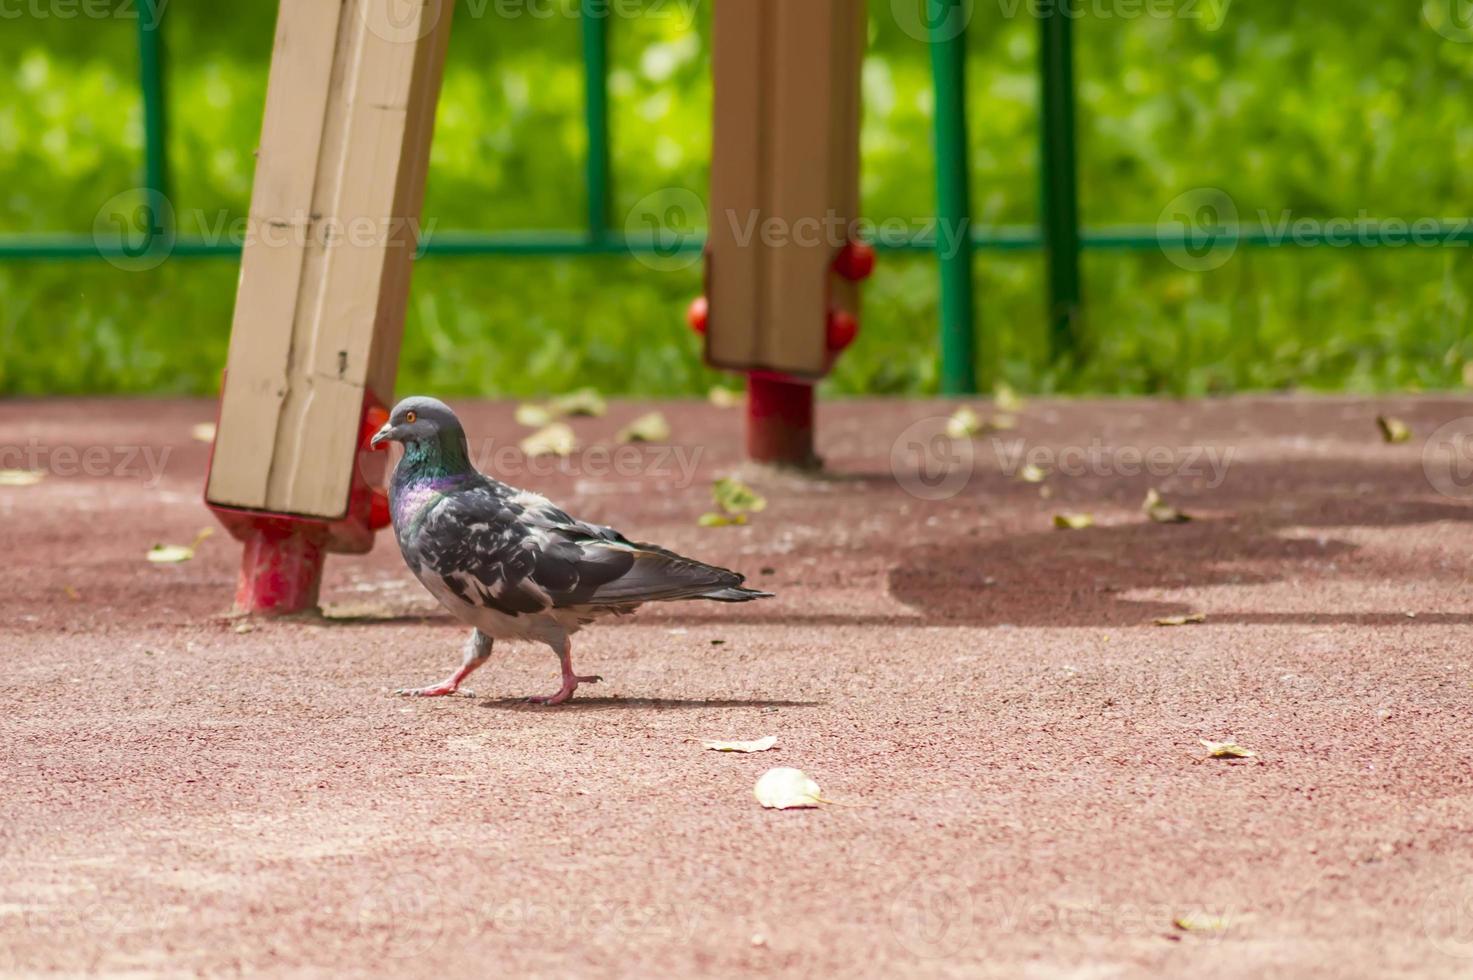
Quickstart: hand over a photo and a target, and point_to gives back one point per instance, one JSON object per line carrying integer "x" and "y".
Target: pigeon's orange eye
{"x": 409, "y": 417}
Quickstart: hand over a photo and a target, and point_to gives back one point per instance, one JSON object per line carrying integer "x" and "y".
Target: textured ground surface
{"x": 178, "y": 795}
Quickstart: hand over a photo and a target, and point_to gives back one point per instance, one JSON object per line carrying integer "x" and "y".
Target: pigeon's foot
{"x": 477, "y": 649}
{"x": 443, "y": 689}
{"x": 570, "y": 684}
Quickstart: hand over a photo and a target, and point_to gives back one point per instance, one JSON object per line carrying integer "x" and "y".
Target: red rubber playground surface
{"x": 1020, "y": 748}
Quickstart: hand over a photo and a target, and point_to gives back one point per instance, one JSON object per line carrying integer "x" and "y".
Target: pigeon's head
{"x": 422, "y": 421}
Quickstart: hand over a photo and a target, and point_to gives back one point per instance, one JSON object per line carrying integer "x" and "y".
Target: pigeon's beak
{"x": 381, "y": 436}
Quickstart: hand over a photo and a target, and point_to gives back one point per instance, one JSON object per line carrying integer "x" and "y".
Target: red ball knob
{"x": 842, "y": 329}
{"x": 378, "y": 510}
{"x": 697, "y": 314}
{"x": 855, "y": 261}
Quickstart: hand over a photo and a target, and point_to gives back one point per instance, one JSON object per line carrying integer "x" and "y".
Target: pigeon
{"x": 510, "y": 564}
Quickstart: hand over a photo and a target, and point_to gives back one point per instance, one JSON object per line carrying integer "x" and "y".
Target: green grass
{"x": 1322, "y": 108}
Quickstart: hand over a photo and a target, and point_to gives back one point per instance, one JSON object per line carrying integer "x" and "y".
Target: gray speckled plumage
{"x": 511, "y": 564}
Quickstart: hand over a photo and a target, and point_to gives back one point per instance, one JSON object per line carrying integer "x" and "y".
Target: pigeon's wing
{"x": 517, "y": 553}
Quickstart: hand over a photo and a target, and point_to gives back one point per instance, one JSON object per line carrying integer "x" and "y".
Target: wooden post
{"x": 784, "y": 197}
{"x": 324, "y": 280}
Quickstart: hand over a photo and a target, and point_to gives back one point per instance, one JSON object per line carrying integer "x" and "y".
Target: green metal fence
{"x": 1061, "y": 236}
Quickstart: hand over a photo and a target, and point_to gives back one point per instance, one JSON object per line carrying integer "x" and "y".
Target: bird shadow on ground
{"x": 645, "y": 704}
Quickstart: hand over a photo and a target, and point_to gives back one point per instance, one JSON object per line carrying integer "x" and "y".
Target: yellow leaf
{"x": 1032, "y": 474}
{"x": 759, "y": 745}
{"x": 533, "y": 416}
{"x": 1161, "y": 512}
{"x": 1002, "y": 423}
{"x": 735, "y": 497}
{"x": 584, "y": 401}
{"x": 1182, "y": 620}
{"x": 1006, "y": 399}
{"x": 784, "y": 788}
{"x": 724, "y": 397}
{"x": 20, "y": 478}
{"x": 554, "y": 440}
{"x": 1200, "y": 922}
{"x": 1227, "y": 750}
{"x": 204, "y": 432}
{"x": 651, "y": 427}
{"x": 964, "y": 423}
{"x": 1393, "y": 430}
{"x": 167, "y": 554}
{"x": 721, "y": 520}
{"x": 1073, "y": 522}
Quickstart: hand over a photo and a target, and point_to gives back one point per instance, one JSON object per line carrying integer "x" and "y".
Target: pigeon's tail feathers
{"x": 735, "y": 594}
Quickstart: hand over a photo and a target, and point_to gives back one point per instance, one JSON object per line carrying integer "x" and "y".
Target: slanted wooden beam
{"x": 332, "y": 231}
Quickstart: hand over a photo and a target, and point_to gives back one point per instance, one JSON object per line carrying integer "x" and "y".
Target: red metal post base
{"x": 281, "y": 568}
{"x": 780, "y": 421}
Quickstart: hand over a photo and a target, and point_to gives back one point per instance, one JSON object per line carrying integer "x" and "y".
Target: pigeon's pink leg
{"x": 477, "y": 650}
{"x": 570, "y": 679}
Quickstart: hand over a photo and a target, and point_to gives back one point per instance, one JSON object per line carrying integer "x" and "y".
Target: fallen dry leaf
{"x": 735, "y": 499}
{"x": 1001, "y": 423}
{"x": 650, "y": 427}
{"x": 164, "y": 554}
{"x": 1227, "y": 750}
{"x": 20, "y": 478}
{"x": 1393, "y": 430}
{"x": 1160, "y": 511}
{"x": 584, "y": 401}
{"x": 964, "y": 423}
{"x": 1182, "y": 620}
{"x": 785, "y": 789}
{"x": 203, "y": 432}
{"x": 533, "y": 416}
{"x": 1199, "y": 922}
{"x": 1073, "y": 522}
{"x": 757, "y": 745}
{"x": 1006, "y": 399}
{"x": 724, "y": 397}
{"x": 553, "y": 440}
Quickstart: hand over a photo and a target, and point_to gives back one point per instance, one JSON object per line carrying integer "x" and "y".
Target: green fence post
{"x": 155, "y": 115}
{"x": 1060, "y": 179}
{"x": 946, "y": 20}
{"x": 595, "y": 18}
